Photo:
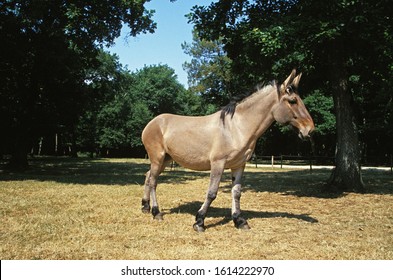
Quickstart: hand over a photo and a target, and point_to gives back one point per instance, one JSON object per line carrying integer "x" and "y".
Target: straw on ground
{"x": 90, "y": 209}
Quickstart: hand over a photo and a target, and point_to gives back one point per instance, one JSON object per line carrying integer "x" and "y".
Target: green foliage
{"x": 47, "y": 49}
{"x": 151, "y": 91}
{"x": 123, "y": 103}
{"x": 120, "y": 123}
{"x": 103, "y": 80}
{"x": 320, "y": 107}
{"x": 209, "y": 71}
{"x": 159, "y": 88}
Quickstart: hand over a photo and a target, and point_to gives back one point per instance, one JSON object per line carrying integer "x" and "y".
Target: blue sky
{"x": 164, "y": 45}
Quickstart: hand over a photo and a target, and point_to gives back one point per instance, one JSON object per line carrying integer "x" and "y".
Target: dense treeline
{"x": 60, "y": 93}
{"x": 48, "y": 48}
{"x": 124, "y": 102}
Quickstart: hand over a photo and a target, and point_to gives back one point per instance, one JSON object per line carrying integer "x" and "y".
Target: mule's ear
{"x": 296, "y": 81}
{"x": 290, "y": 78}
{"x": 287, "y": 83}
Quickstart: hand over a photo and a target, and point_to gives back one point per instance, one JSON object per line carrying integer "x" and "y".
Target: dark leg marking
{"x": 145, "y": 206}
{"x": 241, "y": 223}
{"x": 156, "y": 213}
{"x": 199, "y": 225}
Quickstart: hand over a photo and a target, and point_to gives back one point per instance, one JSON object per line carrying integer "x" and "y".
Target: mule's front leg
{"x": 215, "y": 178}
{"x": 199, "y": 225}
{"x": 240, "y": 222}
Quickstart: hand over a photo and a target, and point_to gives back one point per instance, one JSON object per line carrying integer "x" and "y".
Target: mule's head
{"x": 290, "y": 109}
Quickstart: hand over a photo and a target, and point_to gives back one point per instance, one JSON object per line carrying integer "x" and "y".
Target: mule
{"x": 223, "y": 140}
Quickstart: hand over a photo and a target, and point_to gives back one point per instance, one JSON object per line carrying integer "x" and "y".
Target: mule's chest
{"x": 239, "y": 157}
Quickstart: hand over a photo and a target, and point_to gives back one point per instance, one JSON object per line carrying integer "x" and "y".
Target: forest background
{"x": 61, "y": 93}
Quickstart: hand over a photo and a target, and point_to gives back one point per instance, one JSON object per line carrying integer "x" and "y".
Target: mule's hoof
{"x": 198, "y": 228}
{"x": 244, "y": 227}
{"x": 241, "y": 223}
{"x": 159, "y": 217}
{"x": 145, "y": 206}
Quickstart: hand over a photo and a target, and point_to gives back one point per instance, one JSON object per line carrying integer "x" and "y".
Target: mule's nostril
{"x": 306, "y": 137}
{"x": 309, "y": 131}
{"x": 305, "y": 133}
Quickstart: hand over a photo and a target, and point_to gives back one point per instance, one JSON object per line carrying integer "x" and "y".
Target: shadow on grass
{"x": 224, "y": 213}
{"x": 299, "y": 183}
{"x": 92, "y": 171}
{"x": 303, "y": 183}
{"x": 83, "y": 171}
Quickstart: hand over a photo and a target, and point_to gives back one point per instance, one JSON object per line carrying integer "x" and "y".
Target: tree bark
{"x": 346, "y": 176}
{"x": 18, "y": 160}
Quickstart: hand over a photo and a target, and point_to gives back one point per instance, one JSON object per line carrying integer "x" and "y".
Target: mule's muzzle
{"x": 306, "y": 132}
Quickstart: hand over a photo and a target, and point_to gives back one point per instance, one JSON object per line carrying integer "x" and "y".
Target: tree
{"x": 334, "y": 41}
{"x": 351, "y": 43}
{"x": 209, "y": 71}
{"x": 320, "y": 105}
{"x": 104, "y": 81}
{"x": 120, "y": 123}
{"x": 158, "y": 87}
{"x": 46, "y": 47}
{"x": 125, "y": 102}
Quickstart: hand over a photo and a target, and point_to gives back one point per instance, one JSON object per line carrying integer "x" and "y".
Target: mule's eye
{"x": 292, "y": 101}
{"x": 289, "y": 90}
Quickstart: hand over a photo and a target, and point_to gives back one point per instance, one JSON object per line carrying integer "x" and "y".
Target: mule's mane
{"x": 230, "y": 108}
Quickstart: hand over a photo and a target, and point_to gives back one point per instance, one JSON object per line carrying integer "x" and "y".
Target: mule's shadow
{"x": 224, "y": 213}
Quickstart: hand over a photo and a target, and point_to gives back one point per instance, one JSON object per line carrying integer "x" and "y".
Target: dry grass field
{"x": 90, "y": 209}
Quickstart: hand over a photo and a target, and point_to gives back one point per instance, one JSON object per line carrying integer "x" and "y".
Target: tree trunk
{"x": 346, "y": 176}
{"x": 74, "y": 150}
{"x": 18, "y": 159}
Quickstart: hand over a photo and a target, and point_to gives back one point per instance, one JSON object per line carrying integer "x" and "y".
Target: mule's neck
{"x": 254, "y": 115}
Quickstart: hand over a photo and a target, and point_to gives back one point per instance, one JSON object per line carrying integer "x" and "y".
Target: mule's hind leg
{"x": 239, "y": 221}
{"x": 146, "y": 195}
{"x": 156, "y": 168}
{"x": 150, "y": 192}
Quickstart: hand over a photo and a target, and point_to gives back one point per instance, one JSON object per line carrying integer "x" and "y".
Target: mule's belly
{"x": 198, "y": 166}
{"x": 190, "y": 157}
{"x": 202, "y": 162}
